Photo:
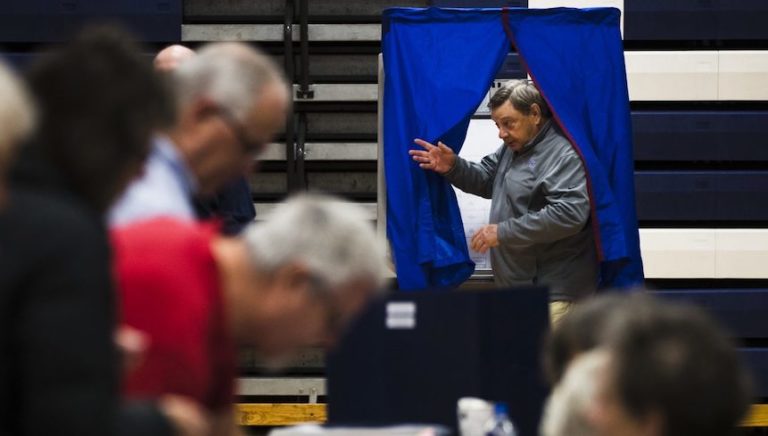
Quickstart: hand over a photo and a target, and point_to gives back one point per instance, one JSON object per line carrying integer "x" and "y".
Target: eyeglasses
{"x": 248, "y": 146}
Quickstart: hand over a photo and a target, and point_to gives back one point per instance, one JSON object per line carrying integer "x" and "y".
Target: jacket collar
{"x": 536, "y": 139}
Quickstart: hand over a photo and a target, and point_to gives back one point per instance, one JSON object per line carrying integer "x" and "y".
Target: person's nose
{"x": 503, "y": 133}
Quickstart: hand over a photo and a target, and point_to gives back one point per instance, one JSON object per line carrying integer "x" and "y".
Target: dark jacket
{"x": 58, "y": 367}
{"x": 59, "y": 370}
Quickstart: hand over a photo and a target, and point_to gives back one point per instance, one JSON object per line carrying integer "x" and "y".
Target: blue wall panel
{"x": 700, "y": 136}
{"x": 55, "y": 21}
{"x": 665, "y": 20}
{"x": 656, "y": 20}
{"x": 702, "y": 195}
{"x": 741, "y": 311}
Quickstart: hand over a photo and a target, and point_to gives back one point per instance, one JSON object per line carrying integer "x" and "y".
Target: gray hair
{"x": 334, "y": 239}
{"x": 522, "y": 94}
{"x": 565, "y": 413}
{"x": 17, "y": 116}
{"x": 231, "y": 74}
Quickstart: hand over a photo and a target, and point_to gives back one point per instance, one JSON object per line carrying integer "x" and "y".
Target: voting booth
{"x": 438, "y": 67}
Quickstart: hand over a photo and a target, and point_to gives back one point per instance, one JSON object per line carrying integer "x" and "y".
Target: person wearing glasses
{"x": 231, "y": 100}
{"x": 539, "y": 229}
{"x": 291, "y": 281}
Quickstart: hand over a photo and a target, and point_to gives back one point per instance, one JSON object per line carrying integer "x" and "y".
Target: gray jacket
{"x": 540, "y": 202}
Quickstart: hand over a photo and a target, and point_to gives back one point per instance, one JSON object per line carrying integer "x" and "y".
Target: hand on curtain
{"x": 438, "y": 158}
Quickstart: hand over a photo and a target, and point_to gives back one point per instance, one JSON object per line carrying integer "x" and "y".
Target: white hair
{"x": 565, "y": 413}
{"x": 333, "y": 239}
{"x": 17, "y": 117}
{"x": 231, "y": 74}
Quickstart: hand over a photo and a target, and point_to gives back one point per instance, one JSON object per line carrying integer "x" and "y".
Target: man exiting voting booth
{"x": 562, "y": 183}
{"x": 538, "y": 231}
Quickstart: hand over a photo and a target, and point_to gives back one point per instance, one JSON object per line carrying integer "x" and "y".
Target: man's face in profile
{"x": 302, "y": 315}
{"x": 516, "y": 128}
{"x": 240, "y": 142}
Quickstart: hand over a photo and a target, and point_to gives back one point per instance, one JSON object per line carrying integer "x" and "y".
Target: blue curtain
{"x": 439, "y": 63}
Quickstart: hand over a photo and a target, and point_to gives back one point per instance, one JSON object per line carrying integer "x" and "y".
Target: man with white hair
{"x": 294, "y": 280}
{"x": 16, "y": 120}
{"x": 231, "y": 100}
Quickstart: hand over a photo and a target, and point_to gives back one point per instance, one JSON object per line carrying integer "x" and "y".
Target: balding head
{"x": 171, "y": 57}
{"x": 232, "y": 99}
{"x": 234, "y": 75}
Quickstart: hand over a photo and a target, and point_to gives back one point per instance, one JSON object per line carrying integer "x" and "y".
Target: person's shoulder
{"x": 50, "y": 214}
{"x": 165, "y": 255}
{"x": 41, "y": 231}
{"x": 164, "y": 234}
{"x": 559, "y": 147}
{"x": 158, "y": 192}
{"x": 558, "y": 139}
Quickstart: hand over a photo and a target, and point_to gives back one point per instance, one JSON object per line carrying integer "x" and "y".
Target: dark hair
{"x": 99, "y": 101}
{"x": 578, "y": 331}
{"x": 675, "y": 360}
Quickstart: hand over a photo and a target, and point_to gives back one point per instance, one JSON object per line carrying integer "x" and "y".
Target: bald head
{"x": 170, "y": 57}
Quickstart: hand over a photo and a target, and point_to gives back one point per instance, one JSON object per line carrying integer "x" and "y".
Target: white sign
{"x": 482, "y": 139}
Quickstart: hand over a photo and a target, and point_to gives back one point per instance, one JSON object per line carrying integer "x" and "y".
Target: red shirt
{"x": 169, "y": 286}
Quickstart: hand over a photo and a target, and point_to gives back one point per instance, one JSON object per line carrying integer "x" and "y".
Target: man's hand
{"x": 132, "y": 344}
{"x": 186, "y": 416}
{"x": 438, "y": 158}
{"x": 485, "y": 238}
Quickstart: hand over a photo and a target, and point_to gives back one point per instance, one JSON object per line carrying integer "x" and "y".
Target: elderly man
{"x": 232, "y": 203}
{"x": 539, "y": 230}
{"x": 231, "y": 100}
{"x": 294, "y": 280}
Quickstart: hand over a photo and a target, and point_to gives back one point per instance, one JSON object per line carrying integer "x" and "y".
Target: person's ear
{"x": 196, "y": 114}
{"x": 204, "y": 108}
{"x": 293, "y": 277}
{"x": 536, "y": 113}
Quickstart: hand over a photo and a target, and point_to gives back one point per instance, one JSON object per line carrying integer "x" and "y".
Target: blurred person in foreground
{"x": 657, "y": 369}
{"x": 568, "y": 409}
{"x": 231, "y": 101}
{"x": 16, "y": 121}
{"x": 294, "y": 280}
{"x": 98, "y": 102}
